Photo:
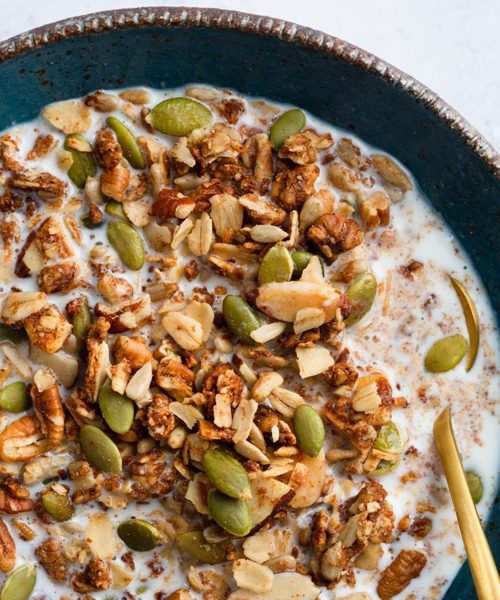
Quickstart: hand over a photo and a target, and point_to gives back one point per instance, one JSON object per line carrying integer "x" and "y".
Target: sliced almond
{"x": 313, "y": 361}
{"x": 250, "y": 451}
{"x": 267, "y": 234}
{"x": 243, "y": 419}
{"x": 186, "y": 331}
{"x": 267, "y": 332}
{"x": 252, "y": 576}
{"x": 187, "y": 413}
{"x": 267, "y": 381}
{"x": 308, "y": 318}
{"x": 70, "y": 116}
{"x": 204, "y": 314}
{"x": 138, "y": 385}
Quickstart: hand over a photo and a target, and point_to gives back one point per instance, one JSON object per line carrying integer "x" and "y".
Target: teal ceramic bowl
{"x": 457, "y": 169}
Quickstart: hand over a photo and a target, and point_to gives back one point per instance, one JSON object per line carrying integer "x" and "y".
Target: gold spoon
{"x": 481, "y": 563}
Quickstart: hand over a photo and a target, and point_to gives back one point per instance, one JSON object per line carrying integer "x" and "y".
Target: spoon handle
{"x": 481, "y": 563}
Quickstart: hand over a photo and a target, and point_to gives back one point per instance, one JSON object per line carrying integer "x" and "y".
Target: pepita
{"x": 475, "y": 485}
{"x": 84, "y": 164}
{"x": 384, "y": 467}
{"x": 389, "y": 439}
{"x": 117, "y": 410}
{"x": 179, "y": 116}
{"x": 16, "y": 336}
{"x": 287, "y": 124}
{"x": 446, "y": 353}
{"x": 226, "y": 473}
{"x": 471, "y": 320}
{"x": 194, "y": 544}
{"x": 58, "y": 506}
{"x": 300, "y": 260}
{"x": 277, "y": 265}
{"x": 20, "y": 583}
{"x": 88, "y": 224}
{"x": 309, "y": 429}
{"x": 15, "y": 398}
{"x": 127, "y": 141}
{"x": 128, "y": 244}
{"x": 100, "y": 450}
{"x": 361, "y": 293}
{"x": 81, "y": 321}
{"x": 231, "y": 514}
{"x": 115, "y": 209}
{"x": 139, "y": 535}
{"x": 240, "y": 318}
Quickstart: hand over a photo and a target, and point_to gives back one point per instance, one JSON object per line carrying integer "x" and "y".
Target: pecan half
{"x": 406, "y": 566}
{"x": 48, "y": 405}
{"x": 51, "y": 556}
{"x": 171, "y": 203}
{"x": 334, "y": 234}
{"x": 22, "y": 441}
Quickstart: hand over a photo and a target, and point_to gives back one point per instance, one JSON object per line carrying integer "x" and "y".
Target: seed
{"x": 300, "y": 260}
{"x": 16, "y": 336}
{"x": 276, "y": 265}
{"x": 15, "y": 398}
{"x": 20, "y": 583}
{"x": 384, "y": 466}
{"x": 475, "y": 485}
{"x": 231, "y": 514}
{"x": 127, "y": 141}
{"x": 361, "y": 293}
{"x": 446, "y": 353}
{"x": 117, "y": 410}
{"x": 309, "y": 429}
{"x": 471, "y": 320}
{"x": 226, "y": 473}
{"x": 82, "y": 320}
{"x": 88, "y": 224}
{"x": 179, "y": 116}
{"x": 128, "y": 243}
{"x": 58, "y": 506}
{"x": 115, "y": 209}
{"x": 83, "y": 165}
{"x": 100, "y": 450}
{"x": 389, "y": 439}
{"x": 240, "y": 318}
{"x": 194, "y": 544}
{"x": 139, "y": 535}
{"x": 287, "y": 124}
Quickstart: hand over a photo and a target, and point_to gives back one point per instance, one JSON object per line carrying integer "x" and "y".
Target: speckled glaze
{"x": 456, "y": 167}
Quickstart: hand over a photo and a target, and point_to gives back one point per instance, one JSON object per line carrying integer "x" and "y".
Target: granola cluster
{"x": 128, "y": 337}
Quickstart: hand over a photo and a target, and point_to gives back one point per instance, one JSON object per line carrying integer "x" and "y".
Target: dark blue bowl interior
{"x": 451, "y": 174}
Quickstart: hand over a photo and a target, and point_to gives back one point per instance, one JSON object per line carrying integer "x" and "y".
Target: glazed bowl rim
{"x": 307, "y": 37}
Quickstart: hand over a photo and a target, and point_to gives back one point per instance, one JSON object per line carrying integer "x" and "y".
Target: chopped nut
{"x": 114, "y": 182}
{"x": 266, "y": 383}
{"x": 267, "y": 234}
{"x": 319, "y": 204}
{"x": 375, "y": 210}
{"x": 252, "y": 576}
{"x": 334, "y": 234}
{"x": 343, "y": 178}
{"x": 48, "y": 329}
{"x": 292, "y": 186}
{"x": 48, "y": 405}
{"x": 262, "y": 212}
{"x": 313, "y": 361}
{"x": 406, "y": 566}
{"x": 59, "y": 278}
{"x": 299, "y": 149}
{"x": 7, "y": 548}
{"x": 70, "y": 116}
{"x": 51, "y": 556}
{"x": 389, "y": 171}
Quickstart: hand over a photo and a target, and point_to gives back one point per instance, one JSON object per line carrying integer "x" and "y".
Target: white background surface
{"x": 453, "y": 46}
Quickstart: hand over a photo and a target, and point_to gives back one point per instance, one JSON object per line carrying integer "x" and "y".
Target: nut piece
{"x": 405, "y": 567}
{"x": 48, "y": 329}
{"x": 343, "y": 178}
{"x": 17, "y": 306}
{"x": 252, "y": 576}
{"x": 7, "y": 549}
{"x": 59, "y": 278}
{"x": 51, "y": 556}
{"x": 71, "y": 116}
{"x": 316, "y": 206}
{"x": 115, "y": 182}
{"x": 133, "y": 349}
{"x": 375, "y": 210}
{"x": 48, "y": 405}
{"x": 292, "y": 186}
{"x": 21, "y": 441}
{"x": 334, "y": 234}
{"x": 388, "y": 170}
{"x": 262, "y": 212}
{"x": 186, "y": 331}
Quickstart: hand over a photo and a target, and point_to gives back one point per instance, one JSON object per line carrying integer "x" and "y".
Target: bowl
{"x": 456, "y": 167}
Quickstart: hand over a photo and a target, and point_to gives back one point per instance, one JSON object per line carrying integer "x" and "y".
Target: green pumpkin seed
{"x": 20, "y": 583}
{"x": 100, "y": 450}
{"x": 277, "y": 265}
{"x": 361, "y": 293}
{"x": 471, "y": 320}
{"x": 446, "y": 353}
{"x": 115, "y": 209}
{"x": 287, "y": 124}
{"x": 15, "y": 398}
{"x": 475, "y": 485}
{"x": 87, "y": 223}
{"x": 384, "y": 466}
{"x": 226, "y": 473}
{"x": 179, "y": 116}
{"x": 231, "y": 514}
{"x": 58, "y": 506}
{"x": 16, "y": 336}
{"x": 128, "y": 243}
{"x": 300, "y": 260}
{"x": 309, "y": 429}
{"x": 240, "y": 318}
{"x": 117, "y": 410}
{"x": 389, "y": 439}
{"x": 84, "y": 164}
{"x": 194, "y": 544}
{"x": 139, "y": 535}
{"x": 127, "y": 141}
{"x": 81, "y": 321}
